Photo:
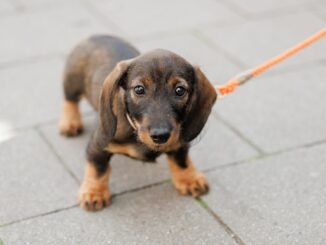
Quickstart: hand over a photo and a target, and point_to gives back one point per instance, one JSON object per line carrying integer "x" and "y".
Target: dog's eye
{"x": 139, "y": 90}
{"x": 180, "y": 91}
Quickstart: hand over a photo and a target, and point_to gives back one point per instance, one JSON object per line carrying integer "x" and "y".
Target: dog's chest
{"x": 134, "y": 150}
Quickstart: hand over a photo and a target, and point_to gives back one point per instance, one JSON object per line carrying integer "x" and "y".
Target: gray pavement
{"x": 263, "y": 149}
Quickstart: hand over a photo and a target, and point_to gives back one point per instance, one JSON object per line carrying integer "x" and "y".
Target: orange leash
{"x": 234, "y": 83}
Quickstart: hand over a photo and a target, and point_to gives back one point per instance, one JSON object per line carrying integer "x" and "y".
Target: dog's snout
{"x": 159, "y": 135}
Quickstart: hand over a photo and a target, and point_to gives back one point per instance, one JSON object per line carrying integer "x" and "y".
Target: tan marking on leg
{"x": 126, "y": 149}
{"x": 188, "y": 181}
{"x": 70, "y": 122}
{"x": 94, "y": 193}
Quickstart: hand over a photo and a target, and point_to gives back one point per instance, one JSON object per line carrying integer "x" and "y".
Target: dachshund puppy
{"x": 148, "y": 104}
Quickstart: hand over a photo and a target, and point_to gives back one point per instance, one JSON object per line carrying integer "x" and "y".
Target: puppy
{"x": 148, "y": 104}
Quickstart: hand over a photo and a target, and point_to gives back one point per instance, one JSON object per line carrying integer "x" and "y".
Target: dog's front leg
{"x": 94, "y": 193}
{"x": 186, "y": 179}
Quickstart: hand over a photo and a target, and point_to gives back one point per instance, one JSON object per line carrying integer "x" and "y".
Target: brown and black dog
{"x": 148, "y": 104}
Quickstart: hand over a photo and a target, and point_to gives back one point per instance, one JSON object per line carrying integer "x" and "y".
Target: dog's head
{"x": 167, "y": 100}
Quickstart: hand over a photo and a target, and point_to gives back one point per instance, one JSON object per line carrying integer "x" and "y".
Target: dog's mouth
{"x": 159, "y": 145}
{"x": 159, "y": 141}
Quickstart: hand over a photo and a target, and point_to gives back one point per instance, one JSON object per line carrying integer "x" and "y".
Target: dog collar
{"x": 130, "y": 121}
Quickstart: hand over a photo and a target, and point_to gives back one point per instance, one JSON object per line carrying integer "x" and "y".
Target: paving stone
{"x": 323, "y": 13}
{"x": 152, "y": 216}
{"x": 217, "y": 145}
{"x": 6, "y": 7}
{"x": 32, "y": 179}
{"x": 50, "y": 31}
{"x": 23, "y": 5}
{"x": 321, "y": 4}
{"x": 153, "y": 17}
{"x": 256, "y": 6}
{"x": 276, "y": 200}
{"x": 216, "y": 67}
{"x": 319, "y": 9}
{"x": 31, "y": 94}
{"x": 279, "y": 112}
{"x": 130, "y": 174}
{"x": 258, "y": 40}
{"x": 126, "y": 173}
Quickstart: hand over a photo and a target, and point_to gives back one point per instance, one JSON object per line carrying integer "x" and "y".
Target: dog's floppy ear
{"x": 109, "y": 98}
{"x": 202, "y": 102}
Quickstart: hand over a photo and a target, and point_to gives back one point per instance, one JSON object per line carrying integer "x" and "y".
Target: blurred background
{"x": 263, "y": 149}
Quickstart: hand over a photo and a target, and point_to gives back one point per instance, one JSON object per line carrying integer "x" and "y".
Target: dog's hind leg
{"x": 70, "y": 123}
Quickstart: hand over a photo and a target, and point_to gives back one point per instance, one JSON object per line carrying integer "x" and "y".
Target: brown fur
{"x": 127, "y": 149}
{"x": 106, "y": 71}
{"x": 187, "y": 181}
{"x": 70, "y": 122}
{"x": 94, "y": 192}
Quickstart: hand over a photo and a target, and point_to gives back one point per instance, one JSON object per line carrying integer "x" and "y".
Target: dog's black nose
{"x": 159, "y": 135}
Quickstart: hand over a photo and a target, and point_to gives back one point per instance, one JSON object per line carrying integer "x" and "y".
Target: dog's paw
{"x": 70, "y": 123}
{"x": 193, "y": 183}
{"x": 70, "y": 126}
{"x": 93, "y": 198}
